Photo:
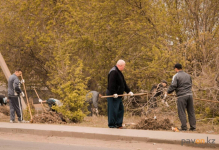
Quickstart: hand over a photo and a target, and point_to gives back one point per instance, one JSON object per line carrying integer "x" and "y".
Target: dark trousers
{"x": 89, "y": 108}
{"x": 186, "y": 103}
{"x": 115, "y": 112}
{"x": 15, "y": 106}
{"x": 153, "y": 102}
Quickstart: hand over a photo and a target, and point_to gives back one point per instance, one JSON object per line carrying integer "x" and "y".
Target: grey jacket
{"x": 92, "y": 97}
{"x": 13, "y": 86}
{"x": 181, "y": 83}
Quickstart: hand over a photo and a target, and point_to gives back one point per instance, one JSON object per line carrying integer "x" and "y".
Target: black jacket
{"x": 181, "y": 83}
{"x": 116, "y": 82}
{"x": 157, "y": 90}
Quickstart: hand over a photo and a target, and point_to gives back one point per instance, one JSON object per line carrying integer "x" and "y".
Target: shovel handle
{"x": 39, "y": 98}
{"x": 138, "y": 94}
{"x": 31, "y": 117}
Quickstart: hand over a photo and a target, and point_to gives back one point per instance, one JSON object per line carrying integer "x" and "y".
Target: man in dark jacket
{"x": 158, "y": 90}
{"x": 116, "y": 86}
{"x": 182, "y": 84}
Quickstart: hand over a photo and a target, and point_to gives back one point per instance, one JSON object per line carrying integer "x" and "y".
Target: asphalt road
{"x": 17, "y": 141}
{"x": 21, "y": 145}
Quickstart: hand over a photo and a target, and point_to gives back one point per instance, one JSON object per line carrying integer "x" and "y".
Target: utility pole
{"x": 7, "y": 75}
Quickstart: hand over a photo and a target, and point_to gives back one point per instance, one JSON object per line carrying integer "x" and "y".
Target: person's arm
{"x": 191, "y": 79}
{"x": 165, "y": 95}
{"x": 112, "y": 82}
{"x": 159, "y": 90}
{"x": 173, "y": 85}
{"x": 17, "y": 86}
{"x": 127, "y": 90}
{"x": 152, "y": 89}
{"x": 42, "y": 101}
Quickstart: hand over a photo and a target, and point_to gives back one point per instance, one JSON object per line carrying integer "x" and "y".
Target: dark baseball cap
{"x": 178, "y": 66}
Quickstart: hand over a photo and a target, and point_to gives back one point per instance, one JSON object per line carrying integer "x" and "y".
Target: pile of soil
{"x": 5, "y": 110}
{"x": 49, "y": 117}
{"x": 154, "y": 124}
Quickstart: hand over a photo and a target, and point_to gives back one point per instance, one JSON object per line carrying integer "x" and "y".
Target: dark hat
{"x": 178, "y": 66}
{"x": 17, "y": 69}
{"x": 164, "y": 81}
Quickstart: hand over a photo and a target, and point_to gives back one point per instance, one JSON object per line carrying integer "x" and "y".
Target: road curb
{"x": 99, "y": 136}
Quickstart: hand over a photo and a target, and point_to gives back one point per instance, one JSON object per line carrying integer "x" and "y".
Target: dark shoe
{"x": 192, "y": 129}
{"x": 182, "y": 129}
{"x": 121, "y": 128}
{"x": 112, "y": 127}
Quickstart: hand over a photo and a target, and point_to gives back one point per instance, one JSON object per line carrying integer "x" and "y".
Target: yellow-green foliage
{"x": 48, "y": 37}
{"x": 68, "y": 82}
{"x": 216, "y": 120}
{"x": 26, "y": 114}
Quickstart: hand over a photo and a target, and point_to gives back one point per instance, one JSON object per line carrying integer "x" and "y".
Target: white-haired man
{"x": 116, "y": 86}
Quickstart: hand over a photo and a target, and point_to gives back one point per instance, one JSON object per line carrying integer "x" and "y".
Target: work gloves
{"x": 22, "y": 81}
{"x": 166, "y": 104}
{"x": 22, "y": 94}
{"x": 163, "y": 101}
{"x": 131, "y": 93}
{"x": 40, "y": 100}
{"x": 115, "y": 95}
{"x": 96, "y": 111}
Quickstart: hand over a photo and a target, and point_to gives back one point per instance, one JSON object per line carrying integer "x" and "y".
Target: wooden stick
{"x": 39, "y": 98}
{"x": 138, "y": 94}
{"x": 207, "y": 100}
{"x": 31, "y": 117}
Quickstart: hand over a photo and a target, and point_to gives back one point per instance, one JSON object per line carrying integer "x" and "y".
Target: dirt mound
{"x": 49, "y": 117}
{"x": 5, "y": 110}
{"x": 154, "y": 124}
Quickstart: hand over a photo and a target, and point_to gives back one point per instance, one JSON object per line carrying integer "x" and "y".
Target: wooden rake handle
{"x": 31, "y": 117}
{"x": 206, "y": 100}
{"x": 39, "y": 98}
{"x": 138, "y": 94}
